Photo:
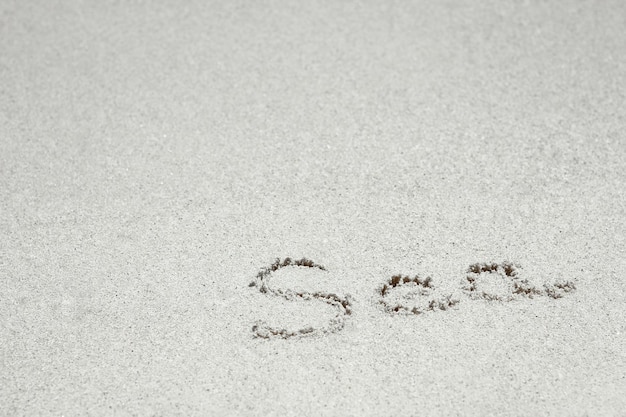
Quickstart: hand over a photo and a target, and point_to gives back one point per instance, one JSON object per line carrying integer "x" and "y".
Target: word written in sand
{"x": 402, "y": 294}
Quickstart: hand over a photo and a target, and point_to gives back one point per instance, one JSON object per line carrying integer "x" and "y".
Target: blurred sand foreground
{"x": 454, "y": 172}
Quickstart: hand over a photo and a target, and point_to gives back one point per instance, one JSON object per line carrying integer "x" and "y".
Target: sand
{"x": 158, "y": 157}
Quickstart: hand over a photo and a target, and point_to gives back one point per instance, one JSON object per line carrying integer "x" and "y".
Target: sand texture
{"x": 320, "y": 208}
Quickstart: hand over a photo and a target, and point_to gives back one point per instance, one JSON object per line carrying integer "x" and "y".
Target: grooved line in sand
{"x": 421, "y": 288}
{"x": 506, "y": 277}
{"x": 343, "y": 305}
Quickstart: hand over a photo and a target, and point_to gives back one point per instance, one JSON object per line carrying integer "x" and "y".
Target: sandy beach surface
{"x": 157, "y": 158}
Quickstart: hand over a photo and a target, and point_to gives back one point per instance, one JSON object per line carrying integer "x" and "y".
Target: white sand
{"x": 153, "y": 158}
